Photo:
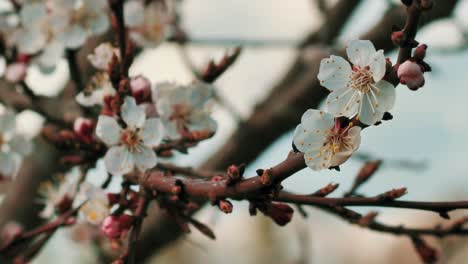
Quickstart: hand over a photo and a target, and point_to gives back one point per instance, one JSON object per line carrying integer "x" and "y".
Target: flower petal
{"x": 132, "y": 114}
{"x": 385, "y": 95}
{"x": 344, "y": 102}
{"x": 351, "y": 142}
{"x": 133, "y": 11}
{"x": 74, "y": 36}
{"x": 119, "y": 160}
{"x": 377, "y": 65}
{"x": 368, "y": 114}
{"x": 305, "y": 140}
{"x": 145, "y": 158}
{"x": 334, "y": 73}
{"x": 152, "y": 132}
{"x": 108, "y": 130}
{"x": 316, "y": 161}
{"x": 317, "y": 120}
{"x": 360, "y": 52}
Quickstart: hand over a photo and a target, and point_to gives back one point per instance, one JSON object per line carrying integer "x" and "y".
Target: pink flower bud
{"x": 141, "y": 89}
{"x": 411, "y": 74}
{"x": 16, "y": 72}
{"x": 84, "y": 128}
{"x": 111, "y": 227}
{"x": 420, "y": 52}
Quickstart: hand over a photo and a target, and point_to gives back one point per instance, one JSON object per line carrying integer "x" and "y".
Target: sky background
{"x": 429, "y": 128}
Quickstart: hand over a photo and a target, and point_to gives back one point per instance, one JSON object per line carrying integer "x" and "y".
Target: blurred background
{"x": 424, "y": 148}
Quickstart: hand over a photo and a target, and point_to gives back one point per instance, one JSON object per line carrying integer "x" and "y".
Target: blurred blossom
{"x": 97, "y": 89}
{"x": 62, "y": 190}
{"x": 102, "y": 56}
{"x": 148, "y": 25}
{"x": 16, "y": 72}
{"x": 80, "y": 19}
{"x": 184, "y": 108}
{"x": 13, "y": 146}
{"x": 95, "y": 205}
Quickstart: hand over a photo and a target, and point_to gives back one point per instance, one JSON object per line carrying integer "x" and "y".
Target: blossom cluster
{"x": 359, "y": 94}
{"x": 42, "y": 30}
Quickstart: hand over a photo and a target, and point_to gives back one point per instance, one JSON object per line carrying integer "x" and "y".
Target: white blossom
{"x": 80, "y": 19}
{"x": 184, "y": 108}
{"x": 131, "y": 146}
{"x": 38, "y": 33}
{"x": 325, "y": 143}
{"x": 96, "y": 91}
{"x": 53, "y": 193}
{"x": 102, "y": 56}
{"x": 148, "y": 25}
{"x": 357, "y": 89}
{"x": 13, "y": 146}
{"x": 94, "y": 203}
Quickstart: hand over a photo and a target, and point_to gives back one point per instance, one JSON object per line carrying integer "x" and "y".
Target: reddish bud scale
{"x": 420, "y": 52}
{"x": 84, "y": 129}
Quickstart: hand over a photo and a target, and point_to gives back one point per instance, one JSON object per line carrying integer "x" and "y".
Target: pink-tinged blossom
{"x": 141, "y": 88}
{"x": 324, "y": 143}
{"x": 357, "y": 90}
{"x": 411, "y": 74}
{"x": 131, "y": 146}
{"x": 16, "y": 72}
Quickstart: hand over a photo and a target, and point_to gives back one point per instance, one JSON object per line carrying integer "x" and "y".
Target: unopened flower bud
{"x": 225, "y": 206}
{"x": 397, "y": 37}
{"x": 280, "y": 213}
{"x": 126, "y": 221}
{"x": 411, "y": 74}
{"x": 233, "y": 172}
{"x": 420, "y": 52}
{"x": 141, "y": 89}
{"x": 111, "y": 227}
{"x": 84, "y": 129}
{"x": 16, "y": 72}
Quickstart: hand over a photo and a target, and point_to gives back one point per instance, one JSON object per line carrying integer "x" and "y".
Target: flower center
{"x": 337, "y": 141}
{"x": 131, "y": 138}
{"x": 361, "y": 79}
{"x": 180, "y": 115}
